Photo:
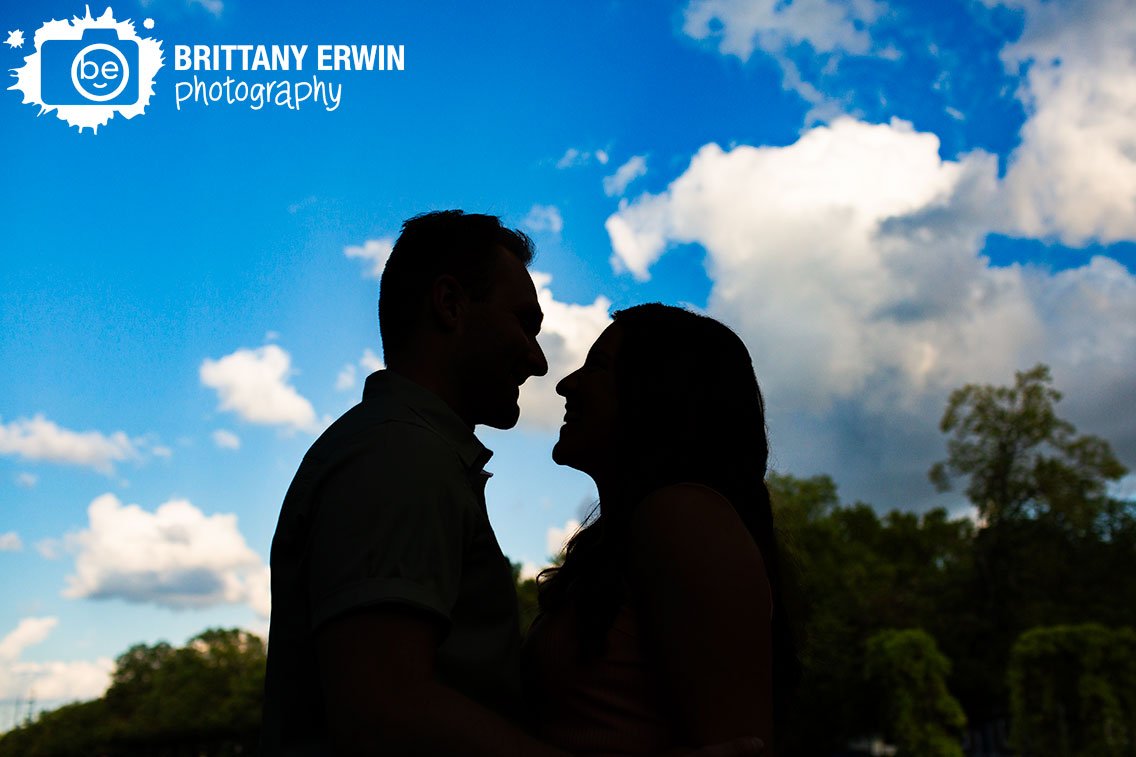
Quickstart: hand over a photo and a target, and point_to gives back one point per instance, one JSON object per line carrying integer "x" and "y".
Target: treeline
{"x": 200, "y": 699}
{"x": 916, "y": 625}
{"x": 912, "y": 627}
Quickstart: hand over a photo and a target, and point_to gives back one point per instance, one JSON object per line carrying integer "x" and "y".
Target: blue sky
{"x": 886, "y": 200}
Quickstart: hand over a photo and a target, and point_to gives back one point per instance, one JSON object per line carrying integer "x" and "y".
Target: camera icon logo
{"x": 98, "y": 69}
{"x": 90, "y": 70}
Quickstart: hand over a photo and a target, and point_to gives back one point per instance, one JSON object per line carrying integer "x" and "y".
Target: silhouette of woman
{"x": 664, "y": 628}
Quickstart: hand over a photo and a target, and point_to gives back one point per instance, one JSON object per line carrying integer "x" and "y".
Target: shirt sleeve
{"x": 390, "y": 527}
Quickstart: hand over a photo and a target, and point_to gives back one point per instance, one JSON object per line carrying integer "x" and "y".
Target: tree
{"x": 1021, "y": 459}
{"x": 201, "y": 699}
{"x": 859, "y": 574}
{"x": 1073, "y": 691}
{"x": 527, "y": 605}
{"x": 922, "y": 717}
{"x": 1052, "y": 545}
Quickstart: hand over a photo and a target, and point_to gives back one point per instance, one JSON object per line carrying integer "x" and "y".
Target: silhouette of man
{"x": 394, "y": 614}
{"x": 394, "y": 620}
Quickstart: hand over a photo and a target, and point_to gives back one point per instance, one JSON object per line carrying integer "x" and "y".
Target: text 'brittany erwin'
{"x": 289, "y": 57}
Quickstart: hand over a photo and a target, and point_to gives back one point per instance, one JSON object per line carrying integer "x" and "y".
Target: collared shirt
{"x": 388, "y": 507}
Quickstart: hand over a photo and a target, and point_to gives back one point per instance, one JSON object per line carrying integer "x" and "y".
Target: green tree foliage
{"x": 922, "y": 717}
{"x": 526, "y": 598}
{"x": 858, "y": 573}
{"x": 1021, "y": 459}
{"x": 1073, "y": 691}
{"x": 1041, "y": 491}
{"x": 201, "y": 699}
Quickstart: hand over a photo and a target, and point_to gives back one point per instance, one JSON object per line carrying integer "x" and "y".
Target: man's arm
{"x": 377, "y": 667}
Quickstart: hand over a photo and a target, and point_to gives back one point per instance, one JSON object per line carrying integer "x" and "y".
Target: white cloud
{"x": 565, "y": 336}
{"x": 10, "y": 542}
{"x": 743, "y": 25}
{"x": 371, "y": 362}
{"x": 56, "y": 681}
{"x": 819, "y": 30}
{"x": 27, "y": 480}
{"x": 215, "y": 7}
{"x": 530, "y": 570}
{"x": 40, "y": 439}
{"x": 849, "y": 263}
{"x": 345, "y": 379}
{"x": 1074, "y": 174}
{"x": 616, "y": 184}
{"x": 254, "y": 385}
{"x": 368, "y": 361}
{"x": 50, "y": 549}
{"x": 573, "y": 158}
{"x": 28, "y": 632}
{"x": 175, "y": 557}
{"x": 544, "y": 218}
{"x": 226, "y": 439}
{"x": 556, "y": 537}
{"x": 375, "y": 252}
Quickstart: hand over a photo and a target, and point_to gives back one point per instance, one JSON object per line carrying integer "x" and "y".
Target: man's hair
{"x": 463, "y": 245}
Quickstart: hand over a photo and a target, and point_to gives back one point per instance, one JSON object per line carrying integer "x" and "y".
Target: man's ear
{"x": 448, "y": 301}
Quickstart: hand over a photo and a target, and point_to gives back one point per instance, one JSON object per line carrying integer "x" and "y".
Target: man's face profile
{"x": 501, "y": 350}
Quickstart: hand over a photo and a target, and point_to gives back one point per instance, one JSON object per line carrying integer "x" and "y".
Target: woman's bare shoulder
{"x": 690, "y": 525}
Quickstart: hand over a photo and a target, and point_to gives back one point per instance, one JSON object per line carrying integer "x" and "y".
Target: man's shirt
{"x": 388, "y": 508}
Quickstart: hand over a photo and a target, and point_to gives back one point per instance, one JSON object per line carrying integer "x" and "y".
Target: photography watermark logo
{"x": 88, "y": 70}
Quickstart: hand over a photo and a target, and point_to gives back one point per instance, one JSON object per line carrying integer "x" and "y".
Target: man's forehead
{"x": 511, "y": 278}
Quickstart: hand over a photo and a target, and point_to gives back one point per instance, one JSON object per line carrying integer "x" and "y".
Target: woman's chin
{"x": 564, "y": 452}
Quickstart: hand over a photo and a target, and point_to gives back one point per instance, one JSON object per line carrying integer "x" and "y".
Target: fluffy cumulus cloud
{"x": 10, "y": 541}
{"x": 374, "y": 253}
{"x": 849, "y": 262}
{"x": 1074, "y": 174}
{"x": 176, "y": 557}
{"x": 254, "y": 384}
{"x": 616, "y": 184}
{"x": 565, "y": 336}
{"x": 38, "y": 438}
{"x": 543, "y": 219}
{"x": 57, "y": 681}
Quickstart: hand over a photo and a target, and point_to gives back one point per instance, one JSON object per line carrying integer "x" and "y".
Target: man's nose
{"x": 538, "y": 363}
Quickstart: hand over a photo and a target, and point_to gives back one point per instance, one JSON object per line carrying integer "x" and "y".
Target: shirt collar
{"x": 432, "y": 410}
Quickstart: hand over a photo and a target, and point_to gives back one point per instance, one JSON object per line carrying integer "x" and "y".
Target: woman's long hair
{"x": 690, "y": 410}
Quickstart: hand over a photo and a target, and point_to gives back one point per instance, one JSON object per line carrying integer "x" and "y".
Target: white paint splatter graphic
{"x": 89, "y": 69}
{"x": 15, "y": 38}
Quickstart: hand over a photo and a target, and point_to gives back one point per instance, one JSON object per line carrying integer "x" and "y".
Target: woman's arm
{"x": 703, "y": 600}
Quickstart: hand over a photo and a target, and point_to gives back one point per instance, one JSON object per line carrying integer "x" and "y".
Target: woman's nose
{"x": 565, "y": 384}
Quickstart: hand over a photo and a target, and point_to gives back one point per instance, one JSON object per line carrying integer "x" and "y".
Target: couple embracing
{"x": 394, "y": 618}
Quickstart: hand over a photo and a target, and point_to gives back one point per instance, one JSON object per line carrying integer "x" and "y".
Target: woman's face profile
{"x": 588, "y": 436}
